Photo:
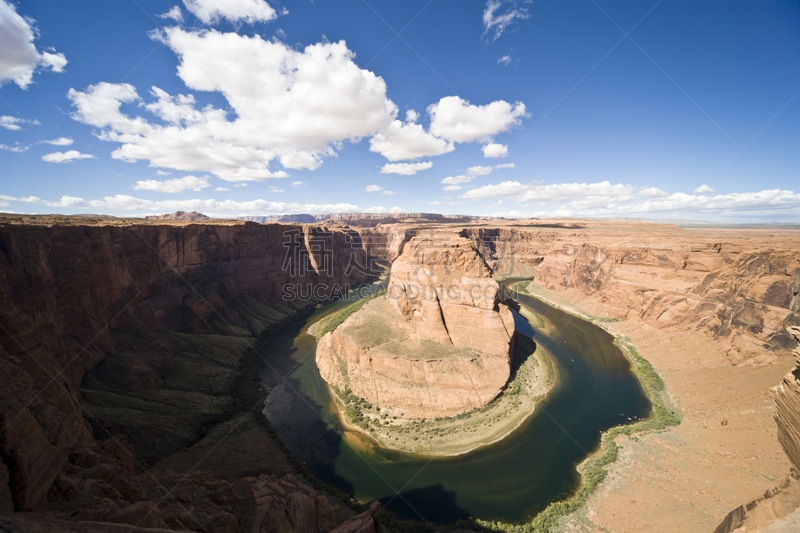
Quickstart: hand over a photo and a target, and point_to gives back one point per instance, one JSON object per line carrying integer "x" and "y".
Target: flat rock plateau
{"x": 129, "y": 349}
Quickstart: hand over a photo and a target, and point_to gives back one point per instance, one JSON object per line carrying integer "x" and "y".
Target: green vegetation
{"x": 338, "y": 319}
{"x": 593, "y": 470}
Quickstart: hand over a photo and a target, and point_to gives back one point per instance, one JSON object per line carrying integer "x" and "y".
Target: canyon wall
{"x": 124, "y": 304}
{"x": 741, "y": 289}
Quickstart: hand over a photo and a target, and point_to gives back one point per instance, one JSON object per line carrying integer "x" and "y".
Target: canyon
{"x": 129, "y": 350}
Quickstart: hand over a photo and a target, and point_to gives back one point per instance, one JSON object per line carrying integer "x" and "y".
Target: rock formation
{"x": 437, "y": 345}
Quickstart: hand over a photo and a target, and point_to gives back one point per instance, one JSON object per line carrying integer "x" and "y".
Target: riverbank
{"x": 450, "y": 437}
{"x": 691, "y": 475}
{"x": 593, "y": 469}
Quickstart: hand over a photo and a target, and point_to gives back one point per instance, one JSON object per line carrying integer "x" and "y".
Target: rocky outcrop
{"x": 114, "y": 301}
{"x": 367, "y": 522}
{"x": 437, "y": 345}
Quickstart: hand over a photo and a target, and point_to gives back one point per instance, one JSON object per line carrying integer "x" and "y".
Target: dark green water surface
{"x": 509, "y": 481}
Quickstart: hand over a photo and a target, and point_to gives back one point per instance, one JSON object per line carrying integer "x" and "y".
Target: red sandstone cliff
{"x": 66, "y": 292}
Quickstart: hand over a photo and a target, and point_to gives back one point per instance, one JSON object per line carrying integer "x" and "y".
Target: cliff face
{"x": 787, "y": 401}
{"x": 67, "y": 293}
{"x": 437, "y": 345}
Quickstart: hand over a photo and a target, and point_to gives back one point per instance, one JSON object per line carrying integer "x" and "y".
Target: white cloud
{"x": 411, "y": 115}
{"x": 61, "y": 141}
{"x": 163, "y": 173}
{"x": 378, "y": 188}
{"x": 505, "y": 165}
{"x": 15, "y": 149}
{"x": 408, "y": 140}
{"x": 500, "y": 14}
{"x": 13, "y": 123}
{"x": 276, "y": 190}
{"x": 211, "y": 11}
{"x": 65, "y": 157}
{"x": 18, "y": 55}
{"x": 703, "y": 189}
{"x": 379, "y": 209}
{"x": 174, "y": 185}
{"x": 405, "y": 169}
{"x": 505, "y": 60}
{"x": 495, "y": 151}
{"x": 479, "y": 171}
{"x": 452, "y": 188}
{"x": 55, "y": 61}
{"x": 457, "y": 120}
{"x": 294, "y": 106}
{"x": 220, "y": 189}
{"x": 174, "y": 14}
{"x": 552, "y": 193}
{"x": 127, "y": 203}
{"x": 297, "y": 183}
{"x": 455, "y": 180}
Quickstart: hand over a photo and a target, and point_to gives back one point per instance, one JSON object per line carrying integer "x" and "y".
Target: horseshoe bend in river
{"x": 510, "y": 480}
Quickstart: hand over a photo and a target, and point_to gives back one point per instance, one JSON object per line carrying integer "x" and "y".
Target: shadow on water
{"x": 511, "y": 480}
{"x": 418, "y": 504}
{"x": 297, "y": 418}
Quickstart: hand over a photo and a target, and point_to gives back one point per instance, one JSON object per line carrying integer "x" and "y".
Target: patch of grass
{"x": 338, "y": 319}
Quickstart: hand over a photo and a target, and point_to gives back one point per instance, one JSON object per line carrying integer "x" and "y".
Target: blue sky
{"x": 667, "y": 110}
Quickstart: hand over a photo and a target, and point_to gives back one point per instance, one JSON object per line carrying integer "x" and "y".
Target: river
{"x": 511, "y": 480}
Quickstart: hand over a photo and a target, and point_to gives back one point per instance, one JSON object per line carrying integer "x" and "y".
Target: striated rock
{"x": 787, "y": 400}
{"x": 437, "y": 345}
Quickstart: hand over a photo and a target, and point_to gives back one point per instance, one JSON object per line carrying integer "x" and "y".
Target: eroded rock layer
{"x": 437, "y": 345}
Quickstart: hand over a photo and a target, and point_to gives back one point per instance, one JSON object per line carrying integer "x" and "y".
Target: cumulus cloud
{"x": 455, "y": 119}
{"x": 703, "y": 189}
{"x": 455, "y": 180}
{"x": 411, "y": 115}
{"x": 505, "y": 165}
{"x": 495, "y": 151}
{"x": 65, "y": 157}
{"x": 19, "y": 57}
{"x": 121, "y": 202}
{"x": 212, "y": 11}
{"x": 379, "y": 209}
{"x": 173, "y": 14}
{"x": 297, "y": 183}
{"x": 296, "y": 106}
{"x": 174, "y": 185}
{"x": 61, "y": 141}
{"x": 500, "y": 14}
{"x": 452, "y": 188}
{"x": 532, "y": 192}
{"x": 221, "y": 189}
{"x": 405, "y": 169}
{"x": 408, "y": 141}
